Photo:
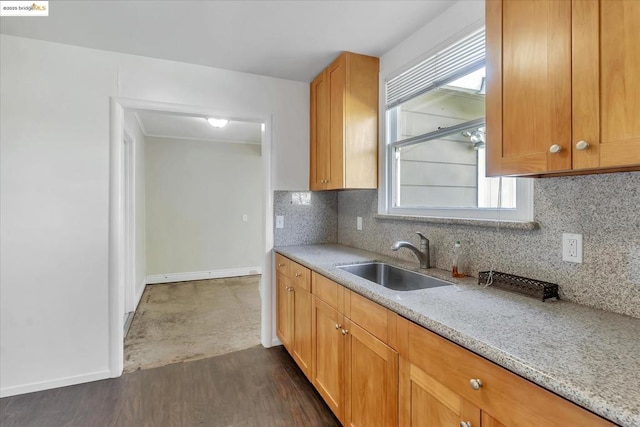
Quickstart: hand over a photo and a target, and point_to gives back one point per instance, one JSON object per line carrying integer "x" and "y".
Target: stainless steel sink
{"x": 393, "y": 277}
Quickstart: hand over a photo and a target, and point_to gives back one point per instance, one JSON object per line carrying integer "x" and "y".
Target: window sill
{"x": 486, "y": 223}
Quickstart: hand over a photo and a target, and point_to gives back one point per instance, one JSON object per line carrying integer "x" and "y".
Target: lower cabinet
{"x": 375, "y": 368}
{"x": 423, "y": 398}
{"x": 446, "y": 385}
{"x": 371, "y": 380}
{"x": 301, "y": 348}
{"x": 293, "y": 313}
{"x": 328, "y": 355}
{"x": 355, "y": 372}
{"x": 284, "y": 314}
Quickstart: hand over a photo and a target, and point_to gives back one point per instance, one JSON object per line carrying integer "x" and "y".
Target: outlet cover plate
{"x": 572, "y": 247}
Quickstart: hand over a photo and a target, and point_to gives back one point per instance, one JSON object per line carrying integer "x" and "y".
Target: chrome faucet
{"x": 422, "y": 253}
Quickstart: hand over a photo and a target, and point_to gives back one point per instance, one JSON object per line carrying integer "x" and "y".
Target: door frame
{"x": 118, "y": 207}
{"x": 130, "y": 207}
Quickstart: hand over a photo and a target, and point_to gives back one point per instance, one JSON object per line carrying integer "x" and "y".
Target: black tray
{"x": 524, "y": 285}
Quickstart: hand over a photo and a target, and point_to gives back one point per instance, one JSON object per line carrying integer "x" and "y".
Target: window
{"x": 435, "y": 141}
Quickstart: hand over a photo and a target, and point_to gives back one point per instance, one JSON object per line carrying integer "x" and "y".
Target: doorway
{"x": 119, "y": 231}
{"x": 200, "y": 187}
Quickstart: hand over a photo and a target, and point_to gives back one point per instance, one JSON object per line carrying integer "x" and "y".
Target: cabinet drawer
{"x": 510, "y": 399}
{"x": 300, "y": 275}
{"x": 373, "y": 317}
{"x": 283, "y": 265}
{"x": 328, "y": 291}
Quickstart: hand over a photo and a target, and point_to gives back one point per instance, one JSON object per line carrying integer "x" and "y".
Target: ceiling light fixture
{"x": 217, "y": 123}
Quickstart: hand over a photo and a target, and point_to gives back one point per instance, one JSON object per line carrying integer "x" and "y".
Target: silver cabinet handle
{"x": 555, "y": 148}
{"x": 345, "y": 332}
{"x": 338, "y": 326}
{"x": 281, "y": 265}
{"x": 298, "y": 274}
{"x": 475, "y": 383}
{"x": 582, "y": 145}
{"x": 465, "y": 424}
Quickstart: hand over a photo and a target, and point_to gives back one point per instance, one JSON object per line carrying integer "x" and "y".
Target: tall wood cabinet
{"x": 344, "y": 124}
{"x": 563, "y": 84}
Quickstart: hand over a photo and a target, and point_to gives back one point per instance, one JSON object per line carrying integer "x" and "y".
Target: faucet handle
{"x": 422, "y": 236}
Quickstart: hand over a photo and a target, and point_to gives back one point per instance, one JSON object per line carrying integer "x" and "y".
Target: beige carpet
{"x": 178, "y": 322}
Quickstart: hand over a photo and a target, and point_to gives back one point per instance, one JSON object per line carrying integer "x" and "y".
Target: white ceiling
{"x": 286, "y": 39}
{"x": 171, "y": 125}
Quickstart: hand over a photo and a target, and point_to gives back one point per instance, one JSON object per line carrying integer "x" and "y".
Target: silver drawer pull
{"x": 555, "y": 148}
{"x": 475, "y": 383}
{"x": 582, "y": 145}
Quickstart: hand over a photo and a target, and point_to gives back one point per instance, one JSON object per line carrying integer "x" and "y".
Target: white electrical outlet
{"x": 572, "y": 247}
{"x": 279, "y": 221}
{"x": 359, "y": 223}
{"x": 245, "y": 218}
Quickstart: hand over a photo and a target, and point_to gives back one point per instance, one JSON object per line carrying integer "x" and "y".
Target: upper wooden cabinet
{"x": 344, "y": 124}
{"x": 563, "y": 86}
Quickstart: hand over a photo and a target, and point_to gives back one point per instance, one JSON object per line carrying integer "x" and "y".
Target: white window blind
{"x": 446, "y": 65}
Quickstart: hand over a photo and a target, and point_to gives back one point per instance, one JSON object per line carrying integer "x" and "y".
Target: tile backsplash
{"x": 305, "y": 224}
{"x": 604, "y": 208}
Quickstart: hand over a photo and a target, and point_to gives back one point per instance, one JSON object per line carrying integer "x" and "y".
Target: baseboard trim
{"x": 275, "y": 342}
{"x": 59, "y": 382}
{"x": 201, "y": 275}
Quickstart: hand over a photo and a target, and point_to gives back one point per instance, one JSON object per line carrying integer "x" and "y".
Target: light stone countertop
{"x": 589, "y": 356}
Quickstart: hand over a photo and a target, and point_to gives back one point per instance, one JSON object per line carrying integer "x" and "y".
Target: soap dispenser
{"x": 456, "y": 268}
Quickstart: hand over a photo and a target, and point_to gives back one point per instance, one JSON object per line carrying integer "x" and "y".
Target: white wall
{"x": 139, "y": 143}
{"x": 54, "y": 186}
{"x": 197, "y": 192}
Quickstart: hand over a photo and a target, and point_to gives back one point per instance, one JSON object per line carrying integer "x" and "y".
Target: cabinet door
{"x": 302, "y": 344}
{"x": 426, "y": 402}
{"x": 284, "y": 310}
{"x": 371, "y": 380}
{"x": 361, "y": 122}
{"x": 606, "y": 87}
{"x": 319, "y": 123}
{"x": 328, "y": 356}
{"x": 337, "y": 80}
{"x": 528, "y": 86}
{"x": 489, "y": 421}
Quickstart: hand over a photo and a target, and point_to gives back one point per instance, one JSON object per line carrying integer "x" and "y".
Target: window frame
{"x": 386, "y": 193}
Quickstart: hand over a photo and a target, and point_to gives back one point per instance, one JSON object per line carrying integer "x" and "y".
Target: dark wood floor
{"x": 254, "y": 387}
